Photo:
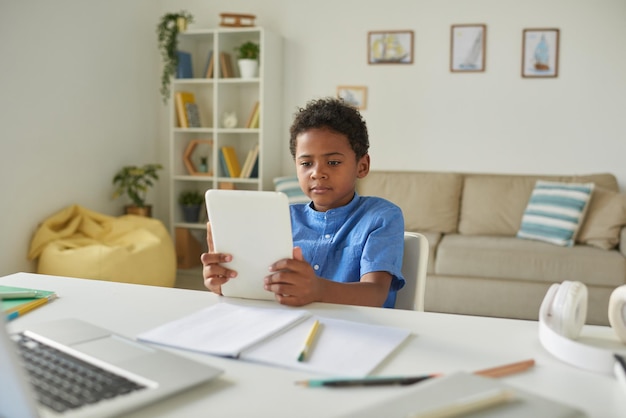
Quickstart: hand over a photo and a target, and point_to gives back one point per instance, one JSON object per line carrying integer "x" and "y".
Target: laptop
{"x": 255, "y": 227}
{"x": 108, "y": 374}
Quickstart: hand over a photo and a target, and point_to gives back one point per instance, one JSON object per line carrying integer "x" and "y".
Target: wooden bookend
{"x": 188, "y": 249}
{"x": 226, "y": 185}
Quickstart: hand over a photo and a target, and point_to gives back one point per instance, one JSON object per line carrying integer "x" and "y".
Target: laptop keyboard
{"x": 64, "y": 382}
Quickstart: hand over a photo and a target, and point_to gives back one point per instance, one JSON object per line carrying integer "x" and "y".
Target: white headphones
{"x": 562, "y": 316}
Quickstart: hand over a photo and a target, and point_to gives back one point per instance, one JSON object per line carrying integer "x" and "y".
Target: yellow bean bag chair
{"x": 77, "y": 242}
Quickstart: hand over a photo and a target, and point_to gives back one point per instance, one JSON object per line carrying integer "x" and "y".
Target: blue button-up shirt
{"x": 343, "y": 244}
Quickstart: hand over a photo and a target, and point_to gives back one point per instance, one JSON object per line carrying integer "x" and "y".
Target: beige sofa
{"x": 477, "y": 264}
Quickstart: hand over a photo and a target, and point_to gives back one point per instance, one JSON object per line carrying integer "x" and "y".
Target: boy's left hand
{"x": 293, "y": 281}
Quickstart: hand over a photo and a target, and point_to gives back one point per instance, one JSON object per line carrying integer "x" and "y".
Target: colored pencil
{"x": 29, "y": 307}
{"x": 308, "y": 343}
{"x": 499, "y": 371}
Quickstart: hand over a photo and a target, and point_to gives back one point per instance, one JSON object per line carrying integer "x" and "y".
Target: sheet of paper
{"x": 341, "y": 348}
{"x": 223, "y": 329}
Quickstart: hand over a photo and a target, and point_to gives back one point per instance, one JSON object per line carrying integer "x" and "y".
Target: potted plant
{"x": 248, "y": 59}
{"x": 191, "y": 203}
{"x": 168, "y": 28}
{"x": 135, "y": 181}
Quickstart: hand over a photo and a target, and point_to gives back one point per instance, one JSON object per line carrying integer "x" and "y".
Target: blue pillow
{"x": 555, "y": 212}
{"x": 289, "y": 185}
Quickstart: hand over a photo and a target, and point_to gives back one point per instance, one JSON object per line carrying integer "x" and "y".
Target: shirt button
{"x": 316, "y": 267}
{"x": 327, "y": 236}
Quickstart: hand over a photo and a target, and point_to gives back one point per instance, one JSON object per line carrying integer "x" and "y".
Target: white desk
{"x": 441, "y": 343}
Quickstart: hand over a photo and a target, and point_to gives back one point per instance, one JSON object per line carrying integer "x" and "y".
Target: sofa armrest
{"x": 622, "y": 241}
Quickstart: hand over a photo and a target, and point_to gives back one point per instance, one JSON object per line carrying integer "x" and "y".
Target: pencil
{"x": 368, "y": 381}
{"x": 309, "y": 341}
{"x": 507, "y": 369}
{"x": 29, "y": 307}
{"x": 500, "y": 371}
{"x": 468, "y": 404}
{"x": 20, "y": 294}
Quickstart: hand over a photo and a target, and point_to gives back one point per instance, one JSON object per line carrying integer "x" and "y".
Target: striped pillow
{"x": 555, "y": 211}
{"x": 289, "y": 185}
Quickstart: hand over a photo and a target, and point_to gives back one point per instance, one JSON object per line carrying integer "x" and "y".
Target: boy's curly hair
{"x": 336, "y": 115}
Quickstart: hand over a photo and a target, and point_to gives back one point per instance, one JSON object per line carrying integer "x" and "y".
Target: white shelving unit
{"x": 215, "y": 96}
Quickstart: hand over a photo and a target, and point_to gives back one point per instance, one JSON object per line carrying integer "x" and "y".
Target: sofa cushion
{"x": 605, "y": 217}
{"x": 519, "y": 259}
{"x": 290, "y": 186}
{"x": 555, "y": 211}
{"x": 429, "y": 200}
{"x": 493, "y": 204}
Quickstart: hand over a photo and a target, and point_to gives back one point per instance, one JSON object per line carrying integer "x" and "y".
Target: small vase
{"x": 137, "y": 210}
{"x": 191, "y": 213}
{"x": 248, "y": 68}
{"x": 181, "y": 22}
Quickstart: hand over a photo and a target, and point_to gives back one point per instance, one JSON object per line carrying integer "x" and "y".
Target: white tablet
{"x": 255, "y": 227}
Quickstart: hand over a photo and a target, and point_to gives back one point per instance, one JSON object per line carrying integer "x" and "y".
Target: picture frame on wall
{"x": 390, "y": 47}
{"x": 540, "y": 53}
{"x": 353, "y": 95}
{"x": 468, "y": 48}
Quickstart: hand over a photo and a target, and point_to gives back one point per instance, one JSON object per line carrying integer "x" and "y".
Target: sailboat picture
{"x": 390, "y": 47}
{"x": 540, "y": 53}
{"x": 467, "y": 48}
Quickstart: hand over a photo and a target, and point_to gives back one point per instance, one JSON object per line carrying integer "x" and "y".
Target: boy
{"x": 348, "y": 248}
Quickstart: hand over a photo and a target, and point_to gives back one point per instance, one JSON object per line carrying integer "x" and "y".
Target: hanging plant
{"x": 167, "y": 30}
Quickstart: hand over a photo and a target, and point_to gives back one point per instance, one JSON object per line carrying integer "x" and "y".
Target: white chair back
{"x": 414, "y": 265}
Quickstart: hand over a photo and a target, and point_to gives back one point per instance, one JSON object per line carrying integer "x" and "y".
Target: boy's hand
{"x": 214, "y": 274}
{"x": 293, "y": 281}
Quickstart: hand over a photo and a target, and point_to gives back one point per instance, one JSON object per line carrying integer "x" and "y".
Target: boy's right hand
{"x": 213, "y": 273}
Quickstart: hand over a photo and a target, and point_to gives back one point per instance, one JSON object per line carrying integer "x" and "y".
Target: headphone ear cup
{"x": 617, "y": 312}
{"x": 569, "y": 309}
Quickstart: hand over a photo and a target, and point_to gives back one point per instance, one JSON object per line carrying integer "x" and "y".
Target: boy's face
{"x": 327, "y": 168}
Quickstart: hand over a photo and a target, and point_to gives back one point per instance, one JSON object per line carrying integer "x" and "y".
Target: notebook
{"x": 255, "y": 227}
{"x": 275, "y": 336}
{"x": 148, "y": 374}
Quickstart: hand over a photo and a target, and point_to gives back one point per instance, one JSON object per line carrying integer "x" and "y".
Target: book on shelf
{"x": 232, "y": 162}
{"x": 254, "y": 110}
{"x": 248, "y": 164}
{"x": 184, "y": 68}
{"x": 255, "y": 169}
{"x": 226, "y": 65}
{"x": 181, "y": 98}
{"x": 208, "y": 69}
{"x": 254, "y": 122}
{"x": 223, "y": 166}
{"x": 193, "y": 115}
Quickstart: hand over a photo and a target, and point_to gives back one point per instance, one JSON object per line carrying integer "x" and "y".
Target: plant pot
{"x": 191, "y": 213}
{"x": 181, "y": 23}
{"x": 248, "y": 68}
{"x": 139, "y": 210}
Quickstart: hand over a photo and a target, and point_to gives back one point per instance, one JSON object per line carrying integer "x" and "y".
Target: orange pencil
{"x": 507, "y": 369}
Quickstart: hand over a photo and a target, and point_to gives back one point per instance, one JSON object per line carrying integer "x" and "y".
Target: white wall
{"x": 80, "y": 97}
{"x": 424, "y": 117}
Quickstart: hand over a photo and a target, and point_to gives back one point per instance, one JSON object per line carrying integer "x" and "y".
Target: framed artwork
{"x": 390, "y": 47}
{"x": 540, "y": 53}
{"x": 354, "y": 95}
{"x": 467, "y": 48}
